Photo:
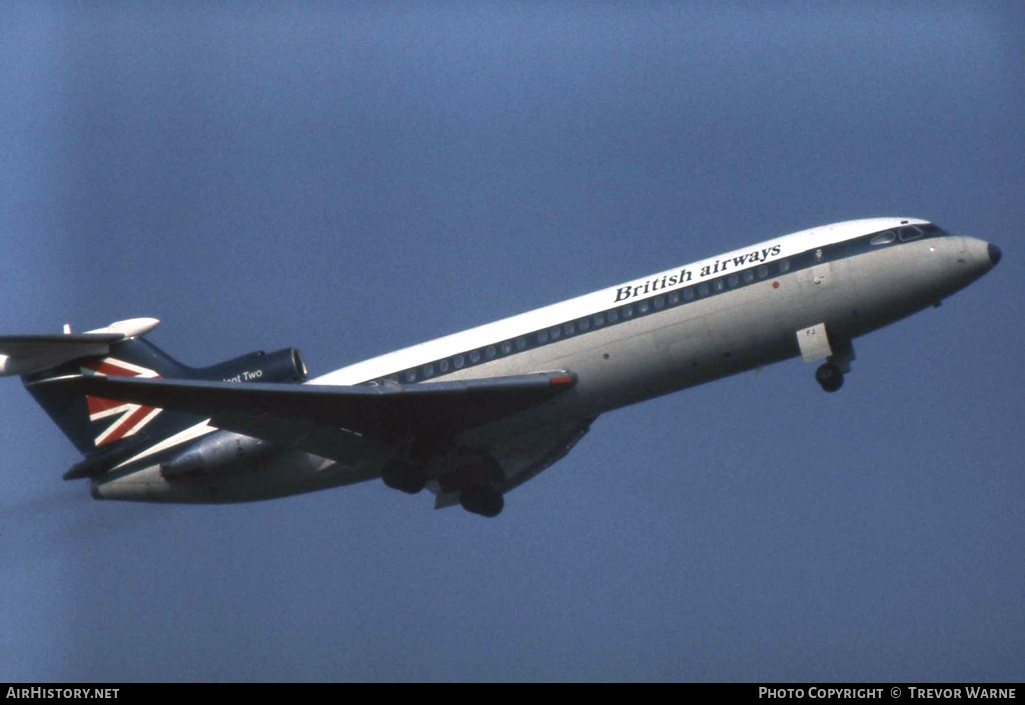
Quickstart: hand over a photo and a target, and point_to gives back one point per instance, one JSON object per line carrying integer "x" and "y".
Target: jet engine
{"x": 281, "y": 366}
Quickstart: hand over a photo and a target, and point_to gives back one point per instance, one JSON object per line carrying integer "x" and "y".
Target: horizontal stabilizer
{"x": 28, "y": 354}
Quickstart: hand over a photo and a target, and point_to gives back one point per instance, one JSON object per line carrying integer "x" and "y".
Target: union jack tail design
{"x": 109, "y": 430}
{"x": 99, "y": 426}
{"x": 131, "y": 418}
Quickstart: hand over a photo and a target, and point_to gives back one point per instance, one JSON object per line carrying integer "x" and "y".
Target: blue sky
{"x": 353, "y": 178}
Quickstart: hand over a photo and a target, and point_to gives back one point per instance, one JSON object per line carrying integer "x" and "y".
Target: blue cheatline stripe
{"x": 657, "y": 303}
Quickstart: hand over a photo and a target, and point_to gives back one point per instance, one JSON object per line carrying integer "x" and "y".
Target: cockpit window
{"x": 884, "y": 238}
{"x": 909, "y": 232}
{"x": 932, "y": 229}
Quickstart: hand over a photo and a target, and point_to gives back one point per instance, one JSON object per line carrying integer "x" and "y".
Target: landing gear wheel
{"x": 484, "y": 500}
{"x": 829, "y": 376}
{"x": 400, "y": 475}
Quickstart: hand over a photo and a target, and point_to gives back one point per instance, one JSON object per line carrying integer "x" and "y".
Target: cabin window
{"x": 542, "y": 337}
{"x": 718, "y": 285}
{"x": 584, "y": 324}
{"x": 458, "y": 362}
{"x": 703, "y": 289}
{"x": 428, "y": 369}
{"x": 733, "y": 279}
{"x": 674, "y": 298}
{"x": 475, "y": 357}
{"x": 411, "y": 375}
{"x": 627, "y": 311}
{"x": 506, "y": 347}
{"x": 784, "y": 266}
{"x": 763, "y": 271}
{"x": 443, "y": 366}
{"x": 883, "y": 238}
{"x": 613, "y": 316}
{"x": 569, "y": 328}
{"x": 688, "y": 294}
{"x": 554, "y": 333}
{"x": 489, "y": 352}
{"x": 521, "y": 343}
{"x": 749, "y": 276}
{"x": 643, "y": 307}
{"x": 659, "y": 303}
{"x": 599, "y": 320}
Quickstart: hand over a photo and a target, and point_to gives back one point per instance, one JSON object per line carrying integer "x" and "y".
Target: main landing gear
{"x": 409, "y": 473}
{"x": 484, "y": 500}
{"x": 474, "y": 475}
{"x": 477, "y": 477}
{"x": 404, "y": 476}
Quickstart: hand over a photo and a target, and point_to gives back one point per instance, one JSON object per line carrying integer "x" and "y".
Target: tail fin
{"x": 107, "y": 431}
{"x": 93, "y": 424}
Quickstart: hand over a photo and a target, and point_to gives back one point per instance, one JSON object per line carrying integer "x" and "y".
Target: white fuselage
{"x": 675, "y": 329}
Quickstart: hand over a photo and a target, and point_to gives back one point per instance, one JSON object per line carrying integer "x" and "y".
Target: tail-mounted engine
{"x": 223, "y": 450}
{"x": 281, "y": 366}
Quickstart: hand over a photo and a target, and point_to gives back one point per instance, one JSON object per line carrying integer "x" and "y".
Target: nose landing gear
{"x": 829, "y": 377}
{"x": 815, "y": 343}
{"x": 831, "y": 373}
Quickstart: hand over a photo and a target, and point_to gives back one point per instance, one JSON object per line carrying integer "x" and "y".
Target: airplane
{"x": 472, "y": 416}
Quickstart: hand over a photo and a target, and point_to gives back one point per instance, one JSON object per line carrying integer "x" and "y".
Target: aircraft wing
{"x": 283, "y": 412}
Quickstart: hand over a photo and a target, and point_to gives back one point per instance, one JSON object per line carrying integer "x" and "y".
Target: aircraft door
{"x": 818, "y": 277}
{"x": 822, "y": 277}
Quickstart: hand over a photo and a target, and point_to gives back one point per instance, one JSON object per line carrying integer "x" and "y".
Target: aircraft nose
{"x": 981, "y": 256}
{"x": 994, "y": 254}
